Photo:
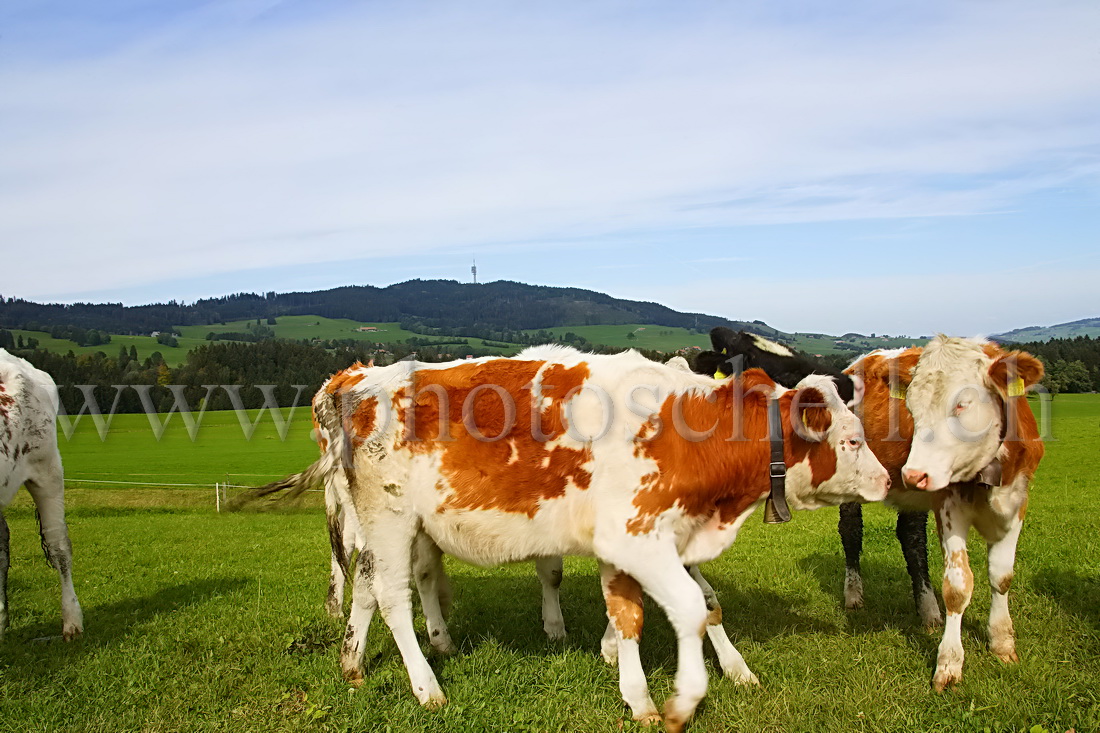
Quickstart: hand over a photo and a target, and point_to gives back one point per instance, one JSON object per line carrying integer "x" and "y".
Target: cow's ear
{"x": 1013, "y": 373}
{"x": 709, "y": 363}
{"x": 810, "y": 415}
{"x": 721, "y": 338}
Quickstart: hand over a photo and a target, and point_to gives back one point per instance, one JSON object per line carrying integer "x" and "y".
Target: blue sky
{"x": 879, "y": 167}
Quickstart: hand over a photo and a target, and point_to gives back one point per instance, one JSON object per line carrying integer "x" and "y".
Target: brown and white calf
{"x": 975, "y": 450}
{"x": 29, "y": 457}
{"x": 872, "y": 386}
{"x": 644, "y": 466}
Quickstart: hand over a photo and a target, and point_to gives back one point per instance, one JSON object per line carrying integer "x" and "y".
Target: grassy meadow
{"x": 645, "y": 336}
{"x": 309, "y": 327}
{"x": 145, "y": 345}
{"x": 200, "y": 621}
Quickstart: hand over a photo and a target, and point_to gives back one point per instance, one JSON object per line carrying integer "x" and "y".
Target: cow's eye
{"x": 960, "y": 407}
{"x": 854, "y": 443}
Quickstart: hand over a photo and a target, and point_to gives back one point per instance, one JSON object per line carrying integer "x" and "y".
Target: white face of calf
{"x": 957, "y": 402}
{"x": 837, "y": 459}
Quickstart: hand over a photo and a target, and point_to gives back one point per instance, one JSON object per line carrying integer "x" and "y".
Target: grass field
{"x": 813, "y": 343}
{"x": 646, "y": 336}
{"x": 286, "y": 327}
{"x": 668, "y": 339}
{"x": 198, "y": 621}
{"x": 309, "y": 327}
{"x": 146, "y": 345}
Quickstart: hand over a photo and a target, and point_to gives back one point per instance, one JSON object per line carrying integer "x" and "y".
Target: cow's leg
{"x": 657, "y": 568}
{"x": 5, "y": 561}
{"x": 623, "y": 599}
{"x": 549, "y": 570}
{"x": 47, "y": 488}
{"x": 609, "y": 644}
{"x": 429, "y": 573}
{"x": 912, "y": 534}
{"x": 850, "y": 528}
{"x": 339, "y": 557}
{"x": 386, "y": 560}
{"x": 729, "y": 659}
{"x": 1002, "y": 558}
{"x": 958, "y": 585}
{"x": 363, "y": 605}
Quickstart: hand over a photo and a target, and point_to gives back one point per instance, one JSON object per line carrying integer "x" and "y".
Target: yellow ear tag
{"x": 1016, "y": 387}
{"x": 719, "y": 375}
{"x": 898, "y": 392}
{"x": 804, "y": 423}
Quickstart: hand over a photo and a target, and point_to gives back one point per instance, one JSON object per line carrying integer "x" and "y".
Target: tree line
{"x": 492, "y": 309}
{"x": 127, "y": 384}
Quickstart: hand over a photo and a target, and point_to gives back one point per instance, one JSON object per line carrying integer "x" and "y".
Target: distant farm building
{"x": 367, "y": 328}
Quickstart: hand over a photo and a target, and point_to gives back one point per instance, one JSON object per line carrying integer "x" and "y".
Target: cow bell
{"x": 776, "y": 510}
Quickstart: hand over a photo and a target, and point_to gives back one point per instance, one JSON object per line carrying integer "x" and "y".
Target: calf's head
{"x": 828, "y": 460}
{"x": 737, "y": 351}
{"x": 958, "y": 399}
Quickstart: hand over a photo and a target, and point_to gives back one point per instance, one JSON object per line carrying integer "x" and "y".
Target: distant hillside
{"x": 435, "y": 304}
{"x": 1073, "y": 329}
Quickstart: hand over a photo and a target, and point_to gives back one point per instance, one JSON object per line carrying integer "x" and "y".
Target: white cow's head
{"x": 838, "y": 466}
{"x": 957, "y": 399}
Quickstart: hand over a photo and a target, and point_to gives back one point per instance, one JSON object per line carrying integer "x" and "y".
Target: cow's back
{"x": 28, "y": 413}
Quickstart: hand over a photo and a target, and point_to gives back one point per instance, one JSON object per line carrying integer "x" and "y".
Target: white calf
{"x": 29, "y": 457}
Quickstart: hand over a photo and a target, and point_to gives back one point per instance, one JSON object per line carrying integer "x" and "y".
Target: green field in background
{"x": 146, "y": 345}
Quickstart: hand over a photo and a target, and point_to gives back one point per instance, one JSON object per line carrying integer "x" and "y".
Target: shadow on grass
{"x": 1078, "y": 594}
{"x": 29, "y": 649}
{"x": 887, "y": 597}
{"x": 507, "y": 611}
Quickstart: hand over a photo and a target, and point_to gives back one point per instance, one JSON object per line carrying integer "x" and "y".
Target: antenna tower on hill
{"x": 473, "y": 271}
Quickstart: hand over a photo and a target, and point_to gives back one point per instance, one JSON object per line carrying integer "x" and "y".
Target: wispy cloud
{"x": 264, "y": 134}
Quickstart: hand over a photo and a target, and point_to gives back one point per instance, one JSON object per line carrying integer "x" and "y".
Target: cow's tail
{"x": 279, "y": 493}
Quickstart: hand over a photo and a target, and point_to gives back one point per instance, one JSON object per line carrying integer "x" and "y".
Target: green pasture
{"x": 646, "y": 336}
{"x": 146, "y": 345}
{"x": 823, "y": 344}
{"x": 200, "y": 621}
{"x": 668, "y": 339}
{"x": 308, "y": 328}
{"x": 316, "y": 327}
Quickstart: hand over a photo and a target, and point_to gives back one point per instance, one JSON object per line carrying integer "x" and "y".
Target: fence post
{"x": 217, "y": 497}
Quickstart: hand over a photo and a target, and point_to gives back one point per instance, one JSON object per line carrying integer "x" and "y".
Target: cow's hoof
{"x": 555, "y": 632}
{"x": 746, "y": 680}
{"x": 945, "y": 678}
{"x": 446, "y": 647}
{"x": 648, "y": 719}
{"x": 675, "y": 720}
{"x": 68, "y": 633}
{"x": 853, "y": 592}
{"x": 353, "y": 677}
{"x": 1006, "y": 653}
{"x": 434, "y": 701}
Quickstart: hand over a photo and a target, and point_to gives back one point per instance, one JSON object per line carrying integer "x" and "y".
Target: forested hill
{"x": 1073, "y": 329}
{"x": 444, "y": 304}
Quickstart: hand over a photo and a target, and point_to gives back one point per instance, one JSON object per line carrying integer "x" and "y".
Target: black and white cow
{"x": 735, "y": 351}
{"x": 29, "y": 457}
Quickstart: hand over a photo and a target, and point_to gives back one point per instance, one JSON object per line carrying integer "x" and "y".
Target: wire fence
{"x": 221, "y": 488}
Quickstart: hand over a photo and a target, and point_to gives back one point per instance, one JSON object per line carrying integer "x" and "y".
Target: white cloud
{"x": 234, "y": 138}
